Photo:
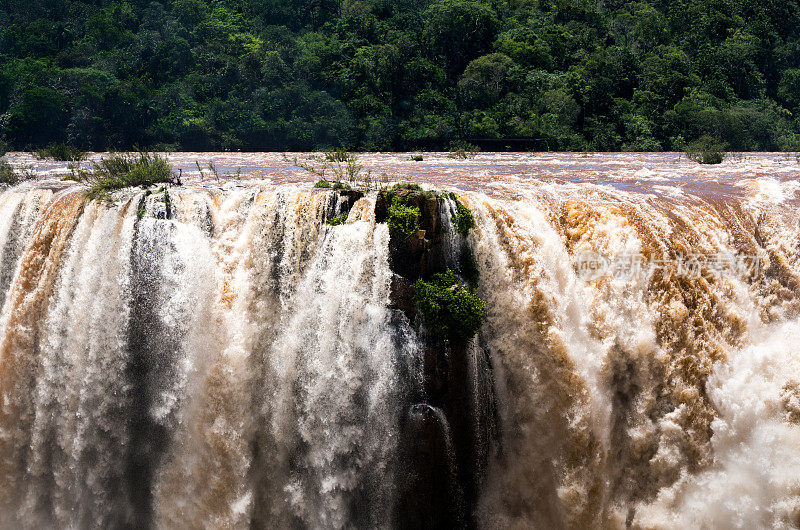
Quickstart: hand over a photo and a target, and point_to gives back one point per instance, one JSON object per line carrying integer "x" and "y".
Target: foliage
{"x": 706, "y": 150}
{"x": 403, "y": 220}
{"x": 122, "y": 170}
{"x": 3, "y": 148}
{"x": 449, "y": 308}
{"x": 416, "y": 158}
{"x": 464, "y": 219}
{"x": 334, "y": 168}
{"x": 212, "y": 169}
{"x": 335, "y": 185}
{"x": 397, "y": 75}
{"x": 236, "y": 174}
{"x": 338, "y": 220}
{"x": 59, "y": 151}
{"x": 340, "y": 155}
{"x": 462, "y": 150}
{"x": 406, "y": 186}
{"x": 8, "y": 175}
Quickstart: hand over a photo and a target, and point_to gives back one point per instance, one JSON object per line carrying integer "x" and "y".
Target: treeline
{"x": 400, "y": 74}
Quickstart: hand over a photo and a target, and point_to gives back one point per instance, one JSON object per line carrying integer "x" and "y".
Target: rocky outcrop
{"x": 345, "y": 199}
{"x": 430, "y": 495}
{"x": 421, "y": 254}
{"x": 442, "y": 448}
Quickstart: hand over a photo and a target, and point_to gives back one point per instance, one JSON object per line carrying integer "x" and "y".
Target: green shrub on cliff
{"x": 464, "y": 219}
{"x": 449, "y": 308}
{"x": 403, "y": 220}
{"x": 335, "y": 185}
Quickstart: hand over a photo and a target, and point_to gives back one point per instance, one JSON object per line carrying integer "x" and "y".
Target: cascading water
{"x": 220, "y": 357}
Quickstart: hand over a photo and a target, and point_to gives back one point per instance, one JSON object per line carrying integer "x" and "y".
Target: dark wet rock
{"x": 401, "y": 296}
{"x": 431, "y": 495}
{"x": 349, "y": 196}
{"x": 345, "y": 202}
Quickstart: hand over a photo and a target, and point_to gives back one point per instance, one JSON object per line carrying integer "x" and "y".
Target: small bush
{"x": 407, "y": 186}
{"x": 403, "y": 220}
{"x": 120, "y": 170}
{"x": 462, "y": 150}
{"x": 340, "y": 155}
{"x": 213, "y": 171}
{"x": 4, "y": 148}
{"x": 162, "y": 147}
{"x": 464, "y": 219}
{"x": 339, "y": 219}
{"x": 706, "y": 150}
{"x": 416, "y": 158}
{"x": 335, "y": 185}
{"x": 8, "y": 174}
{"x": 62, "y": 152}
{"x": 449, "y": 308}
{"x": 335, "y": 166}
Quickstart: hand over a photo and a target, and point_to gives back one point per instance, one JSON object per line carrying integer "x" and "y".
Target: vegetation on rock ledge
{"x": 449, "y": 308}
{"x": 335, "y": 185}
{"x": 8, "y": 175}
{"x": 123, "y": 170}
{"x": 465, "y": 221}
{"x": 403, "y": 220}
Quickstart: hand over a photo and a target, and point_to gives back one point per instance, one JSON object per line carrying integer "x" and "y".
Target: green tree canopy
{"x": 399, "y": 74}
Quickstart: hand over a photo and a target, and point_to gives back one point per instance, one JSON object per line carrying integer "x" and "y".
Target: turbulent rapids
{"x": 218, "y": 356}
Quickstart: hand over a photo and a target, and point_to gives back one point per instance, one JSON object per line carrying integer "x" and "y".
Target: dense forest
{"x": 400, "y": 74}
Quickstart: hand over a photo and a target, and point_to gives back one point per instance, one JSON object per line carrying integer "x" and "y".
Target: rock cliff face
{"x": 419, "y": 255}
{"x": 345, "y": 200}
{"x": 449, "y": 431}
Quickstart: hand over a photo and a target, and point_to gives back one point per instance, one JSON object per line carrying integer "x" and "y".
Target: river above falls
{"x": 763, "y": 177}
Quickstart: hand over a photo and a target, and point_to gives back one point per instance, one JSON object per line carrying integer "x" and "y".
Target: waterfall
{"x": 221, "y": 357}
